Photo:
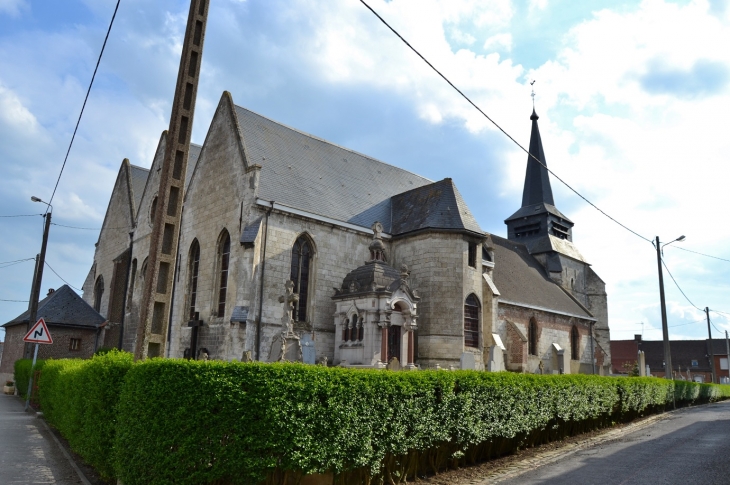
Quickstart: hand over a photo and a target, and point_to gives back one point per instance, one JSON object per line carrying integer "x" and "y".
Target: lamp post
{"x": 665, "y": 330}
{"x": 38, "y": 276}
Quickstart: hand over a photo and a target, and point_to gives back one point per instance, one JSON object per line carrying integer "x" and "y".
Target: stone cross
{"x": 289, "y": 299}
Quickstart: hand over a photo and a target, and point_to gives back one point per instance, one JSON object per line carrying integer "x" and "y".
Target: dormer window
{"x": 485, "y": 255}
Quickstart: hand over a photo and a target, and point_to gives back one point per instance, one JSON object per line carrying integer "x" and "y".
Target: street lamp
{"x": 35, "y": 291}
{"x": 665, "y": 329}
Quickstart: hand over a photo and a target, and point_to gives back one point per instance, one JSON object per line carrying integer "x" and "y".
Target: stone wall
{"x": 113, "y": 240}
{"x": 439, "y": 268}
{"x": 551, "y": 328}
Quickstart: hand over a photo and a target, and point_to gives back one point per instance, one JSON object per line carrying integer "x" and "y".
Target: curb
{"x": 71, "y": 461}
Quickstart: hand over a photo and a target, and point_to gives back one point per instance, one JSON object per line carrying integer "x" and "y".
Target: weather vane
{"x": 533, "y": 93}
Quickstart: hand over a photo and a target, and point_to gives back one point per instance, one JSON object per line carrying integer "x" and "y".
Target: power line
{"x": 17, "y": 260}
{"x": 98, "y": 61}
{"x": 83, "y": 228}
{"x": 679, "y": 288}
{"x": 721, "y": 313}
{"x": 497, "y": 125}
{"x": 24, "y": 215}
{"x": 15, "y": 301}
{"x": 684, "y": 324}
{"x": 69, "y": 284}
{"x": 701, "y": 254}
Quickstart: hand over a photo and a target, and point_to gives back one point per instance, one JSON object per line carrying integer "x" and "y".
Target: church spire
{"x": 537, "y": 184}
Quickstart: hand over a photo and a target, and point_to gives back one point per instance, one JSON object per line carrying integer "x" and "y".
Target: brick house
{"x": 74, "y": 325}
{"x": 690, "y": 358}
{"x": 264, "y": 204}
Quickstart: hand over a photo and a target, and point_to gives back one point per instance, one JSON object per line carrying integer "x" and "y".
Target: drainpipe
{"x": 261, "y": 286}
{"x": 593, "y": 356}
{"x": 126, "y": 289}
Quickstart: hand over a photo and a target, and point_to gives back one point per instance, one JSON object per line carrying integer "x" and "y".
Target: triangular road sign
{"x": 38, "y": 334}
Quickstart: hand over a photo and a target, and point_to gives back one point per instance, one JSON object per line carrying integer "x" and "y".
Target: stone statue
{"x": 289, "y": 299}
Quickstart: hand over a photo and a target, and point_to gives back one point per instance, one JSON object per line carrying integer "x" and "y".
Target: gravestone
{"x": 308, "y": 350}
{"x": 496, "y": 359}
{"x": 641, "y": 362}
{"x": 247, "y": 357}
{"x": 467, "y": 361}
{"x": 393, "y": 364}
{"x": 496, "y": 355}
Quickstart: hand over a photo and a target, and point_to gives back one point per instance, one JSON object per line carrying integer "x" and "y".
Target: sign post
{"x": 38, "y": 334}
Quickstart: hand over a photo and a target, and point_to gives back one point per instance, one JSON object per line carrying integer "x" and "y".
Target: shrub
{"x": 22, "y": 373}
{"x": 214, "y": 422}
{"x": 79, "y": 398}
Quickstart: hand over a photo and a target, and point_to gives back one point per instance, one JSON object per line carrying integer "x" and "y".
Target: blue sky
{"x": 632, "y": 98}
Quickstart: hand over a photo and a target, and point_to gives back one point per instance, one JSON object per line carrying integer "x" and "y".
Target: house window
{"x": 74, "y": 344}
{"x": 471, "y": 321}
{"x": 723, "y": 363}
{"x": 532, "y": 337}
{"x": 193, "y": 264}
{"x": 695, "y": 363}
{"x": 574, "y": 343}
{"x": 301, "y": 261}
{"x": 98, "y": 292}
{"x": 473, "y": 255}
{"x": 224, "y": 251}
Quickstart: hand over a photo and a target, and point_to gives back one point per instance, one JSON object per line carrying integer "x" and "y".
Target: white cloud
{"x": 499, "y": 41}
{"x": 12, "y": 7}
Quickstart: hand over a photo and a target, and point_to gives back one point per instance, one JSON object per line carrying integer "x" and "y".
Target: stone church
{"x": 292, "y": 247}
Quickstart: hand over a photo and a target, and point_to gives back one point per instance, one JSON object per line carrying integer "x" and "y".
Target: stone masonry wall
{"x": 113, "y": 240}
{"x": 551, "y": 328}
{"x": 440, "y": 273}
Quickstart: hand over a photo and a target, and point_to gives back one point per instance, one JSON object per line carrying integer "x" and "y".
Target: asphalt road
{"x": 28, "y": 453}
{"x": 690, "y": 446}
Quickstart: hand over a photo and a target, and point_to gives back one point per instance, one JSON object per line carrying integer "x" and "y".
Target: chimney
{"x": 637, "y": 337}
{"x": 50, "y": 291}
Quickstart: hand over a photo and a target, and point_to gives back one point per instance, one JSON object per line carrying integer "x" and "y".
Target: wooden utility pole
{"x": 156, "y": 299}
{"x": 712, "y": 351}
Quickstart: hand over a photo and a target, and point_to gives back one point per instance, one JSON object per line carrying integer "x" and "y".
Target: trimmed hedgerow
{"x": 79, "y": 398}
{"x": 214, "y": 422}
{"x": 21, "y": 373}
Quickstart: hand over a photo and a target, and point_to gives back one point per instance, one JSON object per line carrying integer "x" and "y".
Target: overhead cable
{"x": 499, "y": 127}
{"x": 679, "y": 288}
{"x": 69, "y": 284}
{"x": 98, "y": 61}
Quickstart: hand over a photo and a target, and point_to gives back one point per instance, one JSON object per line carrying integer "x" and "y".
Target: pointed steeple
{"x": 537, "y": 184}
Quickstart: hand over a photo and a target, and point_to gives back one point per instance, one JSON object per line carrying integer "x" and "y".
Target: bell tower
{"x": 538, "y": 219}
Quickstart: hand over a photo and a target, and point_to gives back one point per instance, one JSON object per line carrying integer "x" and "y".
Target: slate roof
{"x": 435, "y": 206}
{"x": 310, "y": 174}
{"x": 683, "y": 352}
{"x": 521, "y": 279}
{"x": 63, "y": 307}
{"x": 537, "y": 183}
{"x": 718, "y": 346}
{"x": 249, "y": 233}
{"x": 139, "y": 179}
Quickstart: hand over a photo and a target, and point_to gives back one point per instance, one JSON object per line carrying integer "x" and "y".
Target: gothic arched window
{"x": 224, "y": 255}
{"x": 301, "y": 261}
{"x": 532, "y": 337}
{"x": 471, "y": 321}
{"x": 574, "y": 343}
{"x": 193, "y": 264}
{"x": 132, "y": 277}
{"x": 98, "y": 292}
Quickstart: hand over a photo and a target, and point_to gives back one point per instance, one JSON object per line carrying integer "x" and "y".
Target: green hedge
{"x": 214, "y": 422}
{"x": 79, "y": 398}
{"x": 21, "y": 374}
{"x": 176, "y": 421}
